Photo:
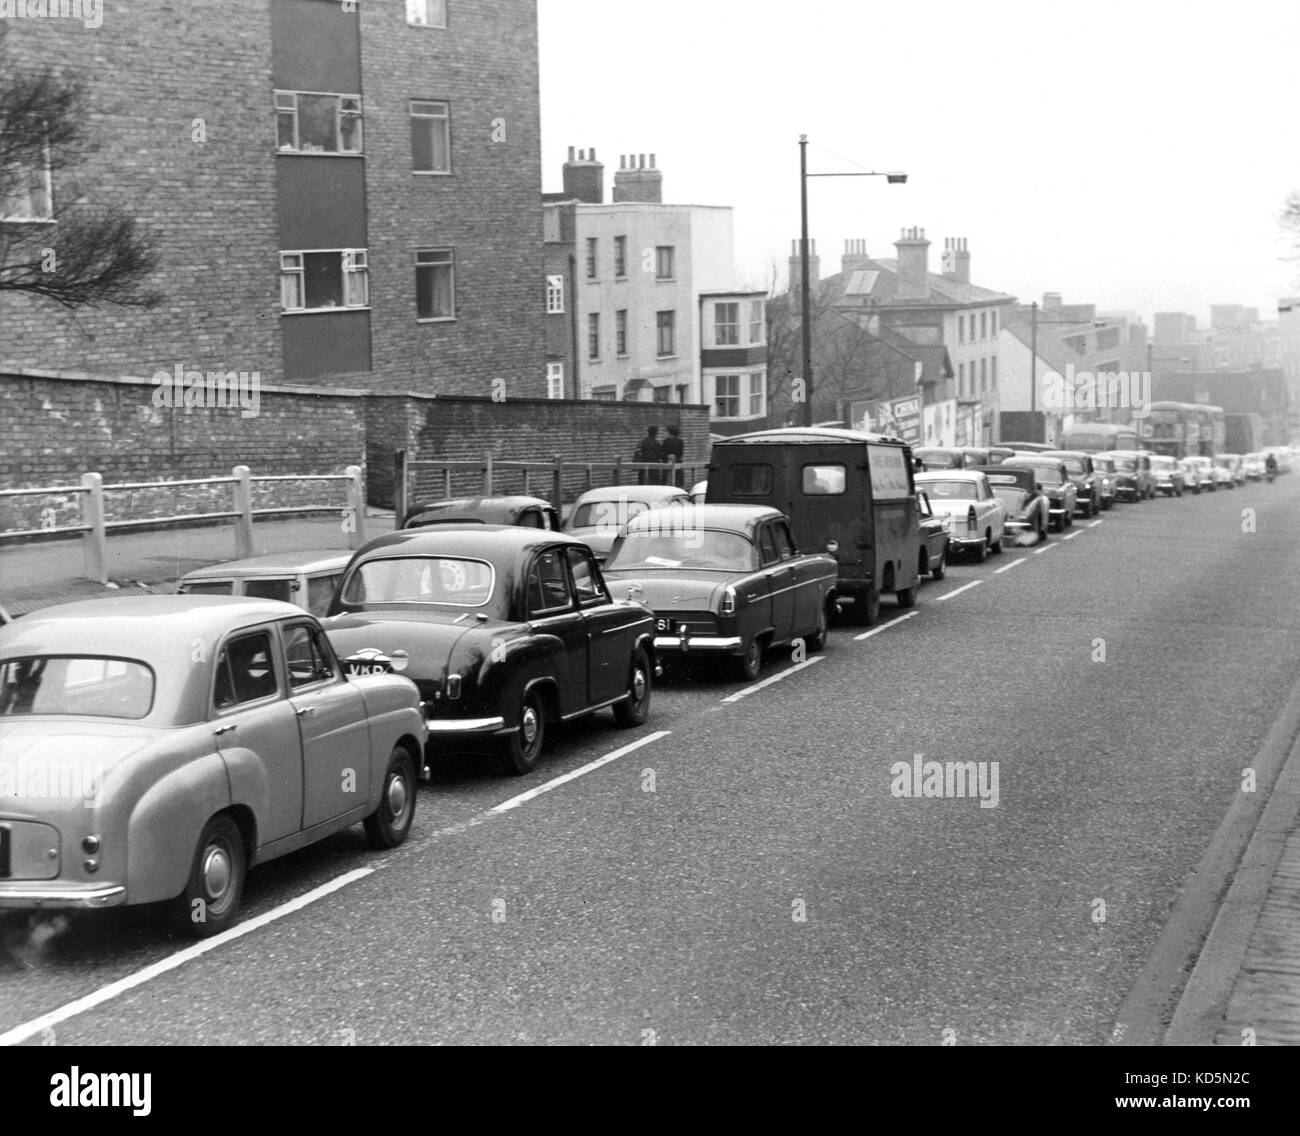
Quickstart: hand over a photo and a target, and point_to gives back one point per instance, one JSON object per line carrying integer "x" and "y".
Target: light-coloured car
{"x": 1194, "y": 476}
{"x": 1104, "y": 468}
{"x": 599, "y": 515}
{"x": 1135, "y": 478}
{"x": 1170, "y": 479}
{"x": 152, "y": 748}
{"x": 1253, "y": 465}
{"x": 304, "y": 579}
{"x": 978, "y": 517}
{"x": 1231, "y": 464}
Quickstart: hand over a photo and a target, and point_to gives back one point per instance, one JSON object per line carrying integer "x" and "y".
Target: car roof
{"x": 1022, "y": 458}
{"x": 274, "y": 564}
{"x": 467, "y": 539}
{"x": 949, "y": 475}
{"x": 729, "y": 518}
{"x": 631, "y": 493}
{"x": 810, "y": 435}
{"x": 992, "y": 471}
{"x": 504, "y": 505}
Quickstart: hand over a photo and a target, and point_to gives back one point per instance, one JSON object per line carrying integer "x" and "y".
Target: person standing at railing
{"x": 673, "y": 450}
{"x": 650, "y": 450}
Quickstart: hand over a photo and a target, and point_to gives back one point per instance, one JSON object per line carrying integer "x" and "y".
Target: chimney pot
{"x": 570, "y": 153}
{"x": 652, "y": 161}
{"x": 592, "y": 153}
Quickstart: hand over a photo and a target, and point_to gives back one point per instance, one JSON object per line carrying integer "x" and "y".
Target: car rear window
{"x": 209, "y": 588}
{"x": 607, "y": 514}
{"x": 80, "y": 685}
{"x": 823, "y": 480}
{"x": 749, "y": 479}
{"x": 951, "y": 490}
{"x": 419, "y": 579}
{"x": 281, "y": 590}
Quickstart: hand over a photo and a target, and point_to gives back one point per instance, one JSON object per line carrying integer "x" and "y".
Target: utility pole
{"x": 1033, "y": 357}
{"x": 805, "y": 288}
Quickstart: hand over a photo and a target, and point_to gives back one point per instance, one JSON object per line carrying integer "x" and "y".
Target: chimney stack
{"x": 638, "y": 181}
{"x": 796, "y": 267}
{"x": 855, "y": 255}
{"x": 956, "y": 260}
{"x": 584, "y": 177}
{"x": 1051, "y": 301}
{"x": 913, "y": 265}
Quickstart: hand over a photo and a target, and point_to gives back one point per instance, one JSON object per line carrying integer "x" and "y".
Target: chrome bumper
{"x": 465, "y": 725}
{"x": 697, "y": 643}
{"x": 29, "y": 895}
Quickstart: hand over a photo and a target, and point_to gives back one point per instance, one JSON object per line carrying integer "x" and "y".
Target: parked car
{"x": 1170, "y": 479}
{"x": 1052, "y": 477}
{"x": 978, "y": 517}
{"x": 1193, "y": 476}
{"x": 998, "y": 454}
{"x": 1135, "y": 474}
{"x": 182, "y": 740}
{"x": 1029, "y": 513}
{"x": 951, "y": 457}
{"x": 1104, "y": 468}
{"x": 503, "y": 629}
{"x": 1078, "y": 465}
{"x": 1254, "y": 466}
{"x": 530, "y": 512}
{"x": 5, "y": 617}
{"x": 1028, "y": 447}
{"x": 1205, "y": 469}
{"x": 724, "y": 581}
{"x": 599, "y": 514}
{"x": 305, "y": 579}
{"x": 1231, "y": 463}
{"x": 935, "y": 528}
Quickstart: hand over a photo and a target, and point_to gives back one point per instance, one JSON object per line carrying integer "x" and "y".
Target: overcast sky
{"x": 1129, "y": 154}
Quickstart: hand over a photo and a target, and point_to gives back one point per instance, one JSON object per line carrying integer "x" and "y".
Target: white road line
{"x": 1073, "y": 535}
{"x": 885, "y": 626}
{"x": 515, "y": 802}
{"x": 171, "y": 962}
{"x": 1046, "y": 548}
{"x": 1095, "y": 524}
{"x": 1008, "y": 567}
{"x": 958, "y": 591}
{"x": 769, "y": 681}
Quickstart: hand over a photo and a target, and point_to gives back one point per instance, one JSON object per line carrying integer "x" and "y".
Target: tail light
{"x": 972, "y": 522}
{"x": 453, "y": 686}
{"x": 728, "y": 606}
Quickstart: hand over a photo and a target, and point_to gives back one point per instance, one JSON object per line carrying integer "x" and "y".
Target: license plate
{"x": 666, "y": 626}
{"x": 4, "y": 852}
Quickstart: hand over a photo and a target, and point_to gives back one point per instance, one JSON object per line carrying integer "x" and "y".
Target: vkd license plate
{"x": 666, "y": 626}
{"x": 4, "y": 852}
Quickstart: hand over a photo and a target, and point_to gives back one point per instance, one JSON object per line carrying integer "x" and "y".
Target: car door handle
{"x": 223, "y": 729}
{"x": 303, "y": 711}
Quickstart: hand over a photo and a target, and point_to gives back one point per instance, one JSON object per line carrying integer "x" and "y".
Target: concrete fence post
{"x": 399, "y": 488}
{"x": 356, "y": 507}
{"x": 244, "y": 508}
{"x": 487, "y": 474}
{"x": 557, "y": 484}
{"x": 94, "y": 543}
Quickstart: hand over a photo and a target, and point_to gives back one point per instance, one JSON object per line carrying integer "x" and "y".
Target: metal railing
{"x": 95, "y": 525}
{"x": 488, "y": 473}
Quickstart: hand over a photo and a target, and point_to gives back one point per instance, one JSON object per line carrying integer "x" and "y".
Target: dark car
{"x": 1027, "y": 447}
{"x": 1054, "y": 479}
{"x": 724, "y": 580}
{"x": 530, "y": 512}
{"x": 503, "y": 629}
{"x": 1029, "y": 512}
{"x": 950, "y": 457}
{"x": 935, "y": 527}
{"x": 1079, "y": 466}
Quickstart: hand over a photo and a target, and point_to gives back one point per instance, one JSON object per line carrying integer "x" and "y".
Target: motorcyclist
{"x": 1270, "y": 467}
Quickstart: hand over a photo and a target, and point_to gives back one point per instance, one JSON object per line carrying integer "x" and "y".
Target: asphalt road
{"x": 746, "y": 875}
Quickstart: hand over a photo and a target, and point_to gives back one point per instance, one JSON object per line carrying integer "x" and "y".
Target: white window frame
{"x": 718, "y": 396}
{"x": 620, "y": 257}
{"x": 46, "y": 189}
{"x": 620, "y": 333}
{"x": 593, "y": 334}
{"x": 286, "y": 102}
{"x": 450, "y": 264}
{"x": 426, "y": 13}
{"x": 757, "y": 390}
{"x": 555, "y": 380}
{"x": 732, "y": 338}
{"x": 431, "y": 117}
{"x": 555, "y": 294}
{"x": 666, "y": 253}
{"x": 757, "y": 320}
{"x": 671, "y": 328}
{"x": 355, "y": 279}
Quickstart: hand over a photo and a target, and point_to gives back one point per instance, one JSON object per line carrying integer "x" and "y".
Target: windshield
{"x": 1125, "y": 465}
{"x": 209, "y": 588}
{"x": 940, "y": 460}
{"x": 1073, "y": 465}
{"x": 1014, "y": 499}
{"x": 82, "y": 685}
{"x": 607, "y": 514}
{"x": 684, "y": 548}
{"x": 1045, "y": 474}
{"x": 950, "y": 490}
{"x": 419, "y": 579}
{"x": 1226, "y": 461}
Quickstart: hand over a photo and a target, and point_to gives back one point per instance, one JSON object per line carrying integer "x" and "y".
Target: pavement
{"x": 1244, "y": 980}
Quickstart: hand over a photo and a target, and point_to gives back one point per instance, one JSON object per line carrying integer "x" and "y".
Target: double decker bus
{"x": 1094, "y": 436}
{"x": 1183, "y": 429}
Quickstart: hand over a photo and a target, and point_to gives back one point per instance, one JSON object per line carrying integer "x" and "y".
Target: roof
{"x": 631, "y": 493}
{"x": 808, "y": 435}
{"x": 877, "y": 280}
{"x": 729, "y": 518}
{"x": 275, "y": 564}
{"x": 949, "y": 475}
{"x": 487, "y": 509}
{"x": 465, "y": 539}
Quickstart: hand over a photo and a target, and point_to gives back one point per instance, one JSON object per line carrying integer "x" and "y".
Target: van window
{"x": 890, "y": 480}
{"x": 823, "y": 480}
{"x": 751, "y": 479}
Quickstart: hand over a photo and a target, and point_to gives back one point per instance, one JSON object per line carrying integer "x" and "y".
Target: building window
{"x": 663, "y": 393}
{"x": 757, "y": 393}
{"x": 591, "y": 258}
{"x": 554, "y": 380}
{"x": 554, "y": 295}
{"x": 682, "y": 390}
{"x": 756, "y": 321}
{"x": 993, "y": 321}
{"x": 435, "y": 284}
{"x": 427, "y": 13}
{"x": 324, "y": 280}
{"x": 664, "y": 262}
{"x": 308, "y": 123}
{"x": 620, "y": 332}
{"x": 620, "y": 257}
{"x": 984, "y": 325}
{"x": 726, "y": 325}
{"x": 605, "y": 394}
{"x": 993, "y": 372}
{"x": 666, "y": 326}
{"x": 30, "y": 197}
{"x": 726, "y": 396}
{"x": 430, "y": 137}
{"x": 961, "y": 380}
{"x": 593, "y": 336}
{"x": 961, "y": 329}
{"x": 984, "y": 375}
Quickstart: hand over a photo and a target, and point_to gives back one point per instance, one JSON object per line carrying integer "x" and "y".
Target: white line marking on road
{"x": 1046, "y": 548}
{"x": 885, "y": 626}
{"x": 769, "y": 681}
{"x": 171, "y": 962}
{"x": 515, "y": 802}
{"x": 1008, "y": 567}
{"x": 1073, "y": 535}
{"x": 1095, "y": 524}
{"x": 958, "y": 591}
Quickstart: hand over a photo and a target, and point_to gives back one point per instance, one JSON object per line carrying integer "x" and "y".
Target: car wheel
{"x": 906, "y": 596}
{"x": 1042, "y": 531}
{"x": 981, "y": 553}
{"x": 816, "y": 639}
{"x": 940, "y": 570}
{"x": 524, "y": 746}
{"x": 389, "y": 824}
{"x": 750, "y": 661}
{"x": 634, "y": 710}
{"x": 210, "y": 901}
{"x": 995, "y": 546}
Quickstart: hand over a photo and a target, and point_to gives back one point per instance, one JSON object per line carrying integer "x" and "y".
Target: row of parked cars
{"x": 153, "y": 749}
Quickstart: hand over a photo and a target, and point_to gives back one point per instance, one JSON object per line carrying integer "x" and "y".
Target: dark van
{"x": 846, "y": 493}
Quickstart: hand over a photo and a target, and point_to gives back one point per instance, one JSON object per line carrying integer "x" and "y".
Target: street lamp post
{"x": 892, "y": 177}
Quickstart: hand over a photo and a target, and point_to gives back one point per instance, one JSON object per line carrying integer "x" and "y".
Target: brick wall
{"x": 53, "y": 429}
{"x": 454, "y": 428}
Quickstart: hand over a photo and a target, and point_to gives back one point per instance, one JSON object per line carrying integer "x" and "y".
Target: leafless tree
{"x": 1289, "y": 220}
{"x": 94, "y": 252}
